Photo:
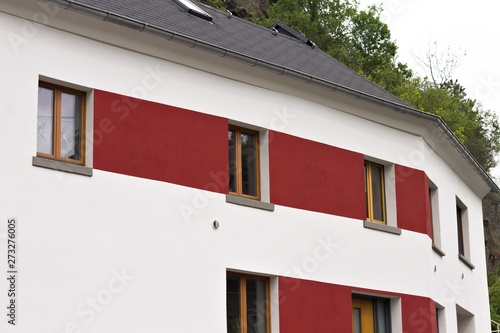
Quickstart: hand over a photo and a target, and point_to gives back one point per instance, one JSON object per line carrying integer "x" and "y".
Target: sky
{"x": 463, "y": 27}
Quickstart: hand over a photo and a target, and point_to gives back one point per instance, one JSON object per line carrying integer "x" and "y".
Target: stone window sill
{"x": 438, "y": 250}
{"x": 466, "y": 261}
{"x": 382, "y": 227}
{"x": 234, "y": 199}
{"x": 62, "y": 166}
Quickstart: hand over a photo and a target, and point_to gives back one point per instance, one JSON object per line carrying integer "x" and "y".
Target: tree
{"x": 478, "y": 129}
{"x": 494, "y": 293}
{"x": 360, "y": 40}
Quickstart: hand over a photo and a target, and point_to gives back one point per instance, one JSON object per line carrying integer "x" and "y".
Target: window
{"x": 61, "y": 123}
{"x": 375, "y": 192}
{"x": 440, "y": 319}
{"x": 465, "y": 320}
{"x": 463, "y": 234}
{"x": 247, "y": 302}
{"x": 371, "y": 315}
{"x": 434, "y": 219}
{"x": 460, "y": 230}
{"x": 244, "y": 171}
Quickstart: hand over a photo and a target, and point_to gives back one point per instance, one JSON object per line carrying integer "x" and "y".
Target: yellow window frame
{"x": 369, "y": 192}
{"x": 239, "y": 167}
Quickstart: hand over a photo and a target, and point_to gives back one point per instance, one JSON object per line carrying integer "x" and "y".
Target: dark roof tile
{"x": 242, "y": 37}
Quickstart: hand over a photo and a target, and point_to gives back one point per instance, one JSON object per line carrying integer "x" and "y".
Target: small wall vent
{"x": 193, "y": 9}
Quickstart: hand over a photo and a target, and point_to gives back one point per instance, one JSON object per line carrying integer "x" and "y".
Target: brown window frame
{"x": 369, "y": 192}
{"x": 243, "y": 299}
{"x": 239, "y": 172}
{"x": 56, "y": 126}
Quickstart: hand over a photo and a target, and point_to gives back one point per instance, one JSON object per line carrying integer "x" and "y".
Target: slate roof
{"x": 242, "y": 37}
{"x": 239, "y": 39}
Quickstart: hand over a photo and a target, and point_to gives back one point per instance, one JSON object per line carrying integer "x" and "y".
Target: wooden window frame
{"x": 369, "y": 192}
{"x": 243, "y": 299}
{"x": 239, "y": 172}
{"x": 56, "y": 140}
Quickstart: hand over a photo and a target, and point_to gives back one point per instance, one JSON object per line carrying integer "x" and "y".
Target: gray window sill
{"x": 62, "y": 166}
{"x": 466, "y": 261}
{"x": 234, "y": 199}
{"x": 438, "y": 250}
{"x": 381, "y": 227}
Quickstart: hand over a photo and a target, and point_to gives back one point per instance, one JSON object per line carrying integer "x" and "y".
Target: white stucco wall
{"x": 125, "y": 242}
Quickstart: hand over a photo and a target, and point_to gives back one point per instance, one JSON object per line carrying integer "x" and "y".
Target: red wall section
{"x": 313, "y": 176}
{"x": 160, "y": 142}
{"x": 308, "y": 306}
{"x": 418, "y": 314}
{"x": 412, "y": 200}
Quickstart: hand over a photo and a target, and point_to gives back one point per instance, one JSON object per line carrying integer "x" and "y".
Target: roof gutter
{"x": 280, "y": 70}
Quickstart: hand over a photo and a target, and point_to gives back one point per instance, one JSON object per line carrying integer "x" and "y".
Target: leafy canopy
{"x": 360, "y": 40}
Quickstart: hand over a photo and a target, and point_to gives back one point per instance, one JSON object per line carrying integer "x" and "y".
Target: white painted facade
{"x": 129, "y": 245}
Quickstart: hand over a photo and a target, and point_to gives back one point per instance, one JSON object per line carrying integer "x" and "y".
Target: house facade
{"x": 171, "y": 168}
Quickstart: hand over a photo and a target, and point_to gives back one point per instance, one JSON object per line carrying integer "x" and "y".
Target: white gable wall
{"x": 112, "y": 225}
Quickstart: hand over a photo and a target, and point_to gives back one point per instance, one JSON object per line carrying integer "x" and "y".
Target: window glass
{"x": 45, "y": 121}
{"x": 232, "y": 160}
{"x": 233, "y": 304}
{"x": 249, "y": 164}
{"x": 377, "y": 192}
{"x": 460, "y": 230}
{"x": 357, "y": 320}
{"x": 382, "y": 311}
{"x": 256, "y": 306}
{"x": 71, "y": 107}
{"x": 243, "y": 153}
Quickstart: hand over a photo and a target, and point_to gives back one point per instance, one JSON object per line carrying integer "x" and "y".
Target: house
{"x": 170, "y": 168}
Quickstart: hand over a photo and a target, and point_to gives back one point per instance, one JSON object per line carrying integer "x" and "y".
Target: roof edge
{"x": 280, "y": 70}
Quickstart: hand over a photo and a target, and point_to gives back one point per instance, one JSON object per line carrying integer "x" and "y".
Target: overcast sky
{"x": 464, "y": 27}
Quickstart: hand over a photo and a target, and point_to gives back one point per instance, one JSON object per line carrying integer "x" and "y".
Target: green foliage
{"x": 494, "y": 292}
{"x": 360, "y": 40}
{"x": 219, "y": 4}
{"x": 476, "y": 128}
